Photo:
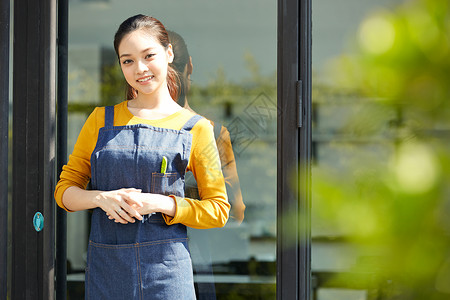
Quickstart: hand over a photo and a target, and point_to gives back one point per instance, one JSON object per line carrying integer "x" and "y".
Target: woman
{"x": 136, "y": 154}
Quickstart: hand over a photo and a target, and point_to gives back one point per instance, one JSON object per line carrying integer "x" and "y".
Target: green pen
{"x": 164, "y": 165}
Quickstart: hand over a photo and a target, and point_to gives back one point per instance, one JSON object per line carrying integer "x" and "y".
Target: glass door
{"x": 231, "y": 50}
{"x": 349, "y": 145}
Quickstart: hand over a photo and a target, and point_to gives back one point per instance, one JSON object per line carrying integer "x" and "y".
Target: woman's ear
{"x": 170, "y": 54}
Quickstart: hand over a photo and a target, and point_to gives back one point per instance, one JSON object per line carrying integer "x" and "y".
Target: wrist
{"x": 167, "y": 205}
{"x": 97, "y": 198}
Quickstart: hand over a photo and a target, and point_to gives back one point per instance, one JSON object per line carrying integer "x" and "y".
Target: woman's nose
{"x": 142, "y": 67}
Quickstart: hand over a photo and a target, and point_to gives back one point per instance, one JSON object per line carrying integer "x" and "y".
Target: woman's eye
{"x": 127, "y": 61}
{"x": 149, "y": 56}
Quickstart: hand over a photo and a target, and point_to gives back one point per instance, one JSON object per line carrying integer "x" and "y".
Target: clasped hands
{"x": 128, "y": 204}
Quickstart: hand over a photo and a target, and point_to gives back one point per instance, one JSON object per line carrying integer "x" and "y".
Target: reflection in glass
{"x": 198, "y": 240}
{"x": 183, "y": 64}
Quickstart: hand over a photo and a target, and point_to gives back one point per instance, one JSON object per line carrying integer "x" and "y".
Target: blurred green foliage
{"x": 395, "y": 202}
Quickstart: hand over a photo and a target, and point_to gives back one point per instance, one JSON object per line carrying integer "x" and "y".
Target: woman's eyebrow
{"x": 145, "y": 50}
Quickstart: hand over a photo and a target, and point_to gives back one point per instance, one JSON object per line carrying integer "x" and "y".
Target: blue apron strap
{"x": 109, "y": 116}
{"x": 191, "y": 122}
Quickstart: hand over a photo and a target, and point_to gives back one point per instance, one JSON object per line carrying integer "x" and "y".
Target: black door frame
{"x": 294, "y": 150}
{"x": 33, "y": 153}
{"x": 4, "y": 136}
{"x": 61, "y": 148}
{"x": 34, "y": 121}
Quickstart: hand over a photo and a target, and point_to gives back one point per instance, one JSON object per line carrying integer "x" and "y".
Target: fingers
{"x": 117, "y": 205}
{"x": 124, "y": 215}
{"x": 120, "y": 216}
{"x": 127, "y": 194}
{"x": 129, "y": 211}
{"x": 117, "y": 216}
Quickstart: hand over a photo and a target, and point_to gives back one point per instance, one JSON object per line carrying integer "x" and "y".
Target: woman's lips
{"x": 145, "y": 79}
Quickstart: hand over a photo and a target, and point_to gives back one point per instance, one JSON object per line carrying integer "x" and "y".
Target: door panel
{"x": 233, "y": 46}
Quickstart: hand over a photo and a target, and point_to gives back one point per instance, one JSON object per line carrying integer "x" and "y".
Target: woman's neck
{"x": 156, "y": 100}
{"x": 153, "y": 106}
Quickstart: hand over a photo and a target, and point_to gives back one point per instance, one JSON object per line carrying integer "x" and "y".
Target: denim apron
{"x": 146, "y": 259}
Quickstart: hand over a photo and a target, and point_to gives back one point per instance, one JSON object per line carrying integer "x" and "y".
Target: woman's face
{"x": 144, "y": 62}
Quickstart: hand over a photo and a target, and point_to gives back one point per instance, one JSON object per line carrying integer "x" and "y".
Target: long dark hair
{"x": 157, "y": 30}
{"x": 180, "y": 61}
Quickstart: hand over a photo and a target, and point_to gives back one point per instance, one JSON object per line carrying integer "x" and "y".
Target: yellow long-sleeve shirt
{"x": 211, "y": 210}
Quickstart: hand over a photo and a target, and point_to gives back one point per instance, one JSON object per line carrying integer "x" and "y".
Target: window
{"x": 234, "y": 83}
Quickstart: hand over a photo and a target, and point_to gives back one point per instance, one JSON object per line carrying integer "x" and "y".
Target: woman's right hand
{"x": 115, "y": 206}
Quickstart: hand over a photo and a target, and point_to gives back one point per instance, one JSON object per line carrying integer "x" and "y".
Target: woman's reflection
{"x": 183, "y": 64}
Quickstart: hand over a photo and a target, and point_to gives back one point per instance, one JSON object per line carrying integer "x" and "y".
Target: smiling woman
{"x": 233, "y": 58}
{"x": 144, "y": 63}
{"x": 138, "y": 228}
{"x": 144, "y": 50}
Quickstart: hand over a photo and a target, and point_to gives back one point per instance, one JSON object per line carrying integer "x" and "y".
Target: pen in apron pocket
{"x": 163, "y": 171}
{"x": 164, "y": 165}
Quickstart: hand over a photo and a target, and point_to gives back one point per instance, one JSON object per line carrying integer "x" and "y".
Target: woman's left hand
{"x": 152, "y": 203}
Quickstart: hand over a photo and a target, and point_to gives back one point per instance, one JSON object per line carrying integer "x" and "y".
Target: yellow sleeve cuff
{"x": 58, "y": 197}
{"x": 173, "y": 220}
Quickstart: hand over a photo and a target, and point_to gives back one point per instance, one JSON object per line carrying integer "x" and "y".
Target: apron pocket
{"x": 113, "y": 272}
{"x": 165, "y": 183}
{"x": 166, "y": 270}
